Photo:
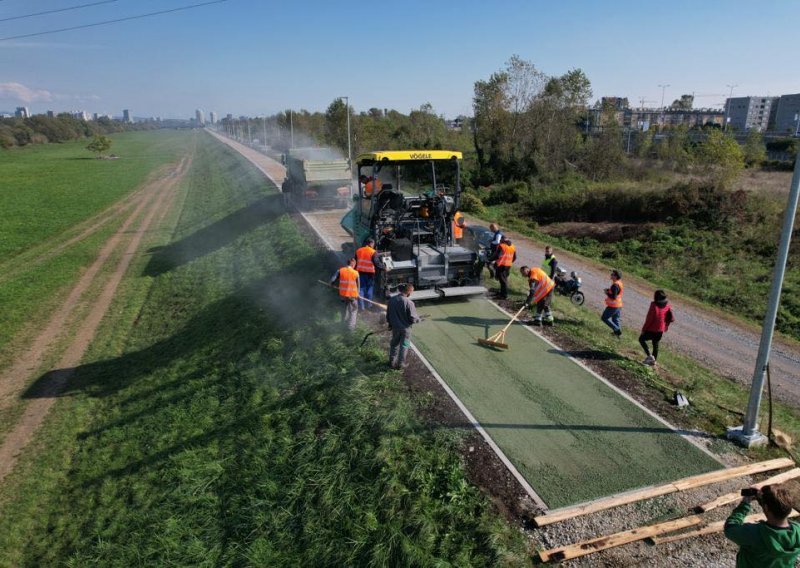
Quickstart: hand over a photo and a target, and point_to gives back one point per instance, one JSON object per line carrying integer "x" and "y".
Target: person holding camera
{"x": 771, "y": 544}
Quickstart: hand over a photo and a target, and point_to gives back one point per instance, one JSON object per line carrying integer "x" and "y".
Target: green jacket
{"x": 760, "y": 545}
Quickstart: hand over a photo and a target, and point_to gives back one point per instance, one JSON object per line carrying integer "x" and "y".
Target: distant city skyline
{"x": 217, "y": 58}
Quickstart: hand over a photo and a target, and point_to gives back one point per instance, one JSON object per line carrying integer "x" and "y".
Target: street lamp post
{"x": 663, "y": 89}
{"x": 291, "y": 128}
{"x": 748, "y": 434}
{"x": 265, "y": 133}
{"x": 728, "y": 107}
{"x": 349, "y": 148}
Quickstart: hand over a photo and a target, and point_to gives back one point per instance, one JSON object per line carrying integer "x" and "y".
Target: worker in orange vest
{"x": 347, "y": 278}
{"x": 504, "y": 257}
{"x": 370, "y": 184}
{"x": 613, "y": 312}
{"x": 541, "y": 294}
{"x": 368, "y": 261}
{"x": 458, "y": 226}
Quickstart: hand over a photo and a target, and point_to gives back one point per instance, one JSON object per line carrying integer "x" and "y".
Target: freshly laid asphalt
{"x": 573, "y": 437}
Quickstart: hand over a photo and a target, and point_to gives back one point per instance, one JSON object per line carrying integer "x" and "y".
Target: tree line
{"x": 41, "y": 129}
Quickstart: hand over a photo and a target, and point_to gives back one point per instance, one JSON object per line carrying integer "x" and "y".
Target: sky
{"x": 249, "y": 57}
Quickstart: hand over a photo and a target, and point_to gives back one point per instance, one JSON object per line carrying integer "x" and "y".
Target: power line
{"x": 58, "y": 10}
{"x": 113, "y": 21}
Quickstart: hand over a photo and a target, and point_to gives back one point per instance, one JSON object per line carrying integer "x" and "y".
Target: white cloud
{"x": 19, "y": 92}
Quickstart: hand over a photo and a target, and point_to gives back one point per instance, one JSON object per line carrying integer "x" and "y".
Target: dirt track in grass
{"x": 155, "y": 200}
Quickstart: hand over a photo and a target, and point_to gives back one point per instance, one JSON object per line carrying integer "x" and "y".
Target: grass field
{"x": 47, "y": 191}
{"x": 48, "y": 188}
{"x": 222, "y": 419}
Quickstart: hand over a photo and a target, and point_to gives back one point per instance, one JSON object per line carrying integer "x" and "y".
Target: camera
{"x": 749, "y": 492}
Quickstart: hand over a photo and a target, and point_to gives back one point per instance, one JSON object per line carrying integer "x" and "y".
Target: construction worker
{"x": 458, "y": 226}
{"x": 401, "y": 314}
{"x": 347, "y": 277}
{"x": 370, "y": 184}
{"x": 550, "y": 264}
{"x": 505, "y": 256}
{"x": 613, "y": 312}
{"x": 497, "y": 238}
{"x": 367, "y": 261}
{"x": 540, "y": 295}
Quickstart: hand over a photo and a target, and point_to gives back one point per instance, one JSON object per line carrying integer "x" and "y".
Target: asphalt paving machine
{"x": 406, "y": 201}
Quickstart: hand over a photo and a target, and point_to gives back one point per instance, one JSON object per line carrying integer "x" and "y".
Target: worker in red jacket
{"x": 659, "y": 316}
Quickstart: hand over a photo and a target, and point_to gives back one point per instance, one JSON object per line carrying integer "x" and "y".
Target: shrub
{"x": 510, "y": 192}
{"x": 471, "y": 203}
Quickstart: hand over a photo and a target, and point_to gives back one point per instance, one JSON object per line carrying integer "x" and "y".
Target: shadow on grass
{"x": 214, "y": 236}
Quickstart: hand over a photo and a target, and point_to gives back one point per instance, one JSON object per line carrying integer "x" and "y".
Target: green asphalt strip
{"x": 573, "y": 437}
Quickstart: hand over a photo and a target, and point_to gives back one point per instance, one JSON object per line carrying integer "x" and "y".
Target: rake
{"x": 499, "y": 338}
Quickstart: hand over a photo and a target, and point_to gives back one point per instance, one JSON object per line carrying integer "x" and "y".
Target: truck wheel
{"x": 577, "y": 298}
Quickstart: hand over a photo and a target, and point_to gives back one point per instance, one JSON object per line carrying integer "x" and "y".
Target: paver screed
{"x": 570, "y": 435}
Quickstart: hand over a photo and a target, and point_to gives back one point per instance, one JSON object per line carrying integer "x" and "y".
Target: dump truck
{"x": 406, "y": 201}
{"x": 316, "y": 179}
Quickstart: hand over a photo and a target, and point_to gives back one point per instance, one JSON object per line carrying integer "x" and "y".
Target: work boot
{"x": 537, "y": 322}
{"x": 649, "y": 360}
{"x": 548, "y": 322}
{"x": 618, "y": 333}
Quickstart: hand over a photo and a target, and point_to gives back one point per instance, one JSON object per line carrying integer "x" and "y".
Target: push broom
{"x": 499, "y": 338}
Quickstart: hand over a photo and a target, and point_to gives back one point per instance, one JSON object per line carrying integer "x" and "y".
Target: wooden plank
{"x": 724, "y": 474}
{"x": 736, "y": 495}
{"x": 650, "y": 492}
{"x": 711, "y": 528}
{"x": 616, "y": 539}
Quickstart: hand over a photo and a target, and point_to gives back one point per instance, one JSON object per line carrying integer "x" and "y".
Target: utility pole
{"x": 728, "y": 107}
{"x": 265, "y": 133}
{"x": 249, "y": 137}
{"x": 349, "y": 150}
{"x": 748, "y": 435}
{"x": 663, "y": 88}
{"x": 291, "y": 128}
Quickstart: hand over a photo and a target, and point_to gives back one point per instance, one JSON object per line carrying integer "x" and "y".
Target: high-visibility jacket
{"x": 364, "y": 258}
{"x": 458, "y": 229}
{"x": 543, "y": 284}
{"x": 506, "y": 255}
{"x": 615, "y": 302}
{"x": 547, "y": 264}
{"x": 348, "y": 282}
{"x": 372, "y": 183}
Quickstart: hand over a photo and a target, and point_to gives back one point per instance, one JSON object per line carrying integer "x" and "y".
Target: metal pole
{"x": 349, "y": 148}
{"x": 265, "y": 133}
{"x": 728, "y": 107}
{"x": 663, "y": 88}
{"x": 749, "y": 436}
{"x": 291, "y": 128}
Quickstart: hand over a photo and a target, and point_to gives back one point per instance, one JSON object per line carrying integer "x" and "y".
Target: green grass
{"x": 226, "y": 421}
{"x": 49, "y": 188}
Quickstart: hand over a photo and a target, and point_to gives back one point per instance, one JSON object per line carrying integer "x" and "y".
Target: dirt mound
{"x": 602, "y": 232}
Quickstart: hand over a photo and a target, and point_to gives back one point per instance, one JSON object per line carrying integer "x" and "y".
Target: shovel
{"x": 499, "y": 338}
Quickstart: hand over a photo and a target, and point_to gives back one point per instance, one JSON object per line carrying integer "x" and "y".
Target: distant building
{"x": 95, "y": 116}
{"x": 51, "y": 114}
{"x": 22, "y": 112}
{"x": 213, "y": 117}
{"x": 199, "y": 118}
{"x": 750, "y": 113}
{"x": 229, "y": 117}
{"x": 126, "y": 116}
{"x": 787, "y": 115}
{"x": 80, "y": 115}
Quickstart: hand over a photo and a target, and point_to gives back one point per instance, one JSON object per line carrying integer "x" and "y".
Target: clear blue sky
{"x": 255, "y": 57}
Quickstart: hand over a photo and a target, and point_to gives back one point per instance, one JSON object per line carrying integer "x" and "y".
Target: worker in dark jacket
{"x": 656, "y": 324}
{"x": 401, "y": 314}
{"x": 771, "y": 544}
{"x": 550, "y": 264}
{"x": 494, "y": 244}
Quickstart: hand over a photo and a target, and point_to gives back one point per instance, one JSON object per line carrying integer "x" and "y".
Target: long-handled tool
{"x": 381, "y": 306}
{"x": 499, "y": 338}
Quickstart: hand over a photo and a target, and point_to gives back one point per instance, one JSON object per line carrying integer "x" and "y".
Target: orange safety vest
{"x": 348, "y": 282}
{"x": 369, "y": 185}
{"x": 506, "y": 257}
{"x": 617, "y": 302}
{"x": 364, "y": 258}
{"x": 544, "y": 284}
{"x": 458, "y": 230}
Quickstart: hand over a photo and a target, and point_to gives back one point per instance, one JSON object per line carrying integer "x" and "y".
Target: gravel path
{"x": 718, "y": 343}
